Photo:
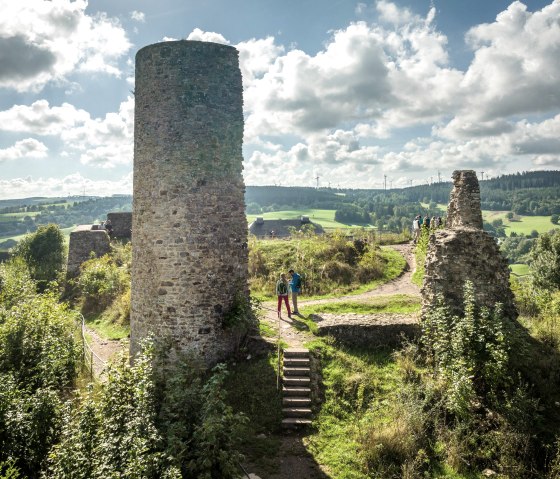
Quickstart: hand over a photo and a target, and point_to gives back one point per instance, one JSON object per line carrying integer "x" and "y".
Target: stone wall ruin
{"x": 463, "y": 251}
{"x": 85, "y": 240}
{"x": 189, "y": 254}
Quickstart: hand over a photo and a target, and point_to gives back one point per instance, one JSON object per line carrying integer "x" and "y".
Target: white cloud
{"x": 40, "y": 119}
{"x": 198, "y": 34}
{"x": 516, "y": 68}
{"x": 28, "y": 148}
{"x": 138, "y": 16}
{"x": 74, "y": 184}
{"x": 44, "y": 41}
{"x": 104, "y": 142}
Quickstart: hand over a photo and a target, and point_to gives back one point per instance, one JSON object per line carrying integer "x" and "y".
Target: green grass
{"x": 323, "y": 217}
{"x": 356, "y": 382}
{"x": 523, "y": 224}
{"x": 398, "y": 303}
{"x": 519, "y": 269}
{"x": 106, "y": 329}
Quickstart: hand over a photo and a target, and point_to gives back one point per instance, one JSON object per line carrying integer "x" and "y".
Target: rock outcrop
{"x": 464, "y": 252}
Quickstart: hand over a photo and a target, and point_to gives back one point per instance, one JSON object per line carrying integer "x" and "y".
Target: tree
{"x": 44, "y": 252}
{"x": 554, "y": 219}
{"x": 545, "y": 261}
{"x": 509, "y": 215}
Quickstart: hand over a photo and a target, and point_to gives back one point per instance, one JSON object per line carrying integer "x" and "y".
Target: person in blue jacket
{"x": 295, "y": 287}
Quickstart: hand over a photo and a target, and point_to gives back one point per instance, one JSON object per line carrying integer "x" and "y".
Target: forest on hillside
{"x": 530, "y": 193}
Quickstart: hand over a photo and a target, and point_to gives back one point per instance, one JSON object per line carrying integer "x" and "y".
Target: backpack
{"x": 281, "y": 288}
{"x": 297, "y": 283}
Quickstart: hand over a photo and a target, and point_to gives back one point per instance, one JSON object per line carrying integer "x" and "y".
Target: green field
{"x": 65, "y": 231}
{"x": 522, "y": 224}
{"x": 323, "y": 217}
{"x": 519, "y": 269}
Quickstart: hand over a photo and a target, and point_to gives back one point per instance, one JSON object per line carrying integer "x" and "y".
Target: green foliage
{"x": 470, "y": 353}
{"x": 101, "y": 280}
{"x": 545, "y": 261}
{"x": 420, "y": 255}
{"x": 36, "y": 343}
{"x": 44, "y": 252}
{"x": 38, "y": 359}
{"x": 327, "y": 264}
{"x": 15, "y": 283}
{"x": 150, "y": 420}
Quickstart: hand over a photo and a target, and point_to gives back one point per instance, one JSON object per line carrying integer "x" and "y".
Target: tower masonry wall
{"x": 189, "y": 226}
{"x": 464, "y": 252}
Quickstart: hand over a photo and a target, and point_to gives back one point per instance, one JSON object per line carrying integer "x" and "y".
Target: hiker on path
{"x": 295, "y": 287}
{"x": 282, "y": 288}
{"x": 427, "y": 222}
{"x": 416, "y": 228}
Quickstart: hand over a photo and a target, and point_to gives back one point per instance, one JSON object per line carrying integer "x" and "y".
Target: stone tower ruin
{"x": 189, "y": 262}
{"x": 463, "y": 251}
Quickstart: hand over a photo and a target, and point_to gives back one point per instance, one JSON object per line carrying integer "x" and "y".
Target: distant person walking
{"x": 295, "y": 286}
{"x": 427, "y": 222}
{"x": 282, "y": 288}
{"x": 416, "y": 229}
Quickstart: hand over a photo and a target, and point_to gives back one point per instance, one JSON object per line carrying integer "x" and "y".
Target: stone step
{"x": 296, "y": 381}
{"x": 295, "y": 422}
{"x": 296, "y": 401}
{"x": 296, "y": 353}
{"x": 296, "y": 412}
{"x": 290, "y": 391}
{"x": 296, "y": 371}
{"x": 296, "y": 361}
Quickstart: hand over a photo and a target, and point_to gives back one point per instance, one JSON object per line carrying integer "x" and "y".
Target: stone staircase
{"x": 296, "y": 390}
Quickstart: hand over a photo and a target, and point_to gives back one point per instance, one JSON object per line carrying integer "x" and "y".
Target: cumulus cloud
{"x": 28, "y": 148}
{"x": 516, "y": 65}
{"x": 138, "y": 16}
{"x": 202, "y": 36}
{"x": 105, "y": 142}
{"x": 74, "y": 184}
{"x": 46, "y": 41}
{"x": 40, "y": 119}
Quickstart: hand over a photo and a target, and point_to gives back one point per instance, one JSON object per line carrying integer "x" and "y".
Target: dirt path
{"x": 103, "y": 350}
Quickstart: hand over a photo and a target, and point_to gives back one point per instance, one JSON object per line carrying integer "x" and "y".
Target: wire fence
{"x": 92, "y": 361}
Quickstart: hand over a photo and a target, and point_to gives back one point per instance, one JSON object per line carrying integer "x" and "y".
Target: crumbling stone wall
{"x": 122, "y": 224}
{"x": 463, "y": 251}
{"x": 84, "y": 240}
{"x": 189, "y": 253}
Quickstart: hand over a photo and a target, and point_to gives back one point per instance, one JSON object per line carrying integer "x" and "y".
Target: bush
{"x": 101, "y": 280}
{"x": 44, "y": 252}
{"x": 150, "y": 420}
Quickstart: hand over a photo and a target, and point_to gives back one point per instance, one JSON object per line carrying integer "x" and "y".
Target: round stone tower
{"x": 189, "y": 254}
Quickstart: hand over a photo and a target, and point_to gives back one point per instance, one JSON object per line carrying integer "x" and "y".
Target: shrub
{"x": 44, "y": 252}
{"x": 150, "y": 420}
{"x": 101, "y": 280}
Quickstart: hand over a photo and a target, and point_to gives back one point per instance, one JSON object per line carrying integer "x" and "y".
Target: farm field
{"x": 523, "y": 224}
{"x": 519, "y": 269}
{"x": 324, "y": 217}
{"x": 65, "y": 231}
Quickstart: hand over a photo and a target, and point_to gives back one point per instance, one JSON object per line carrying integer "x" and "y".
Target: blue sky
{"x": 347, "y": 91}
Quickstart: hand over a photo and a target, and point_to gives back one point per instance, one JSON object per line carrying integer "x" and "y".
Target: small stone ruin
{"x": 85, "y": 240}
{"x": 464, "y": 252}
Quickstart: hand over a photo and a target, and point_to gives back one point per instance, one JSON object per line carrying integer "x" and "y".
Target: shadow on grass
{"x": 254, "y": 389}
